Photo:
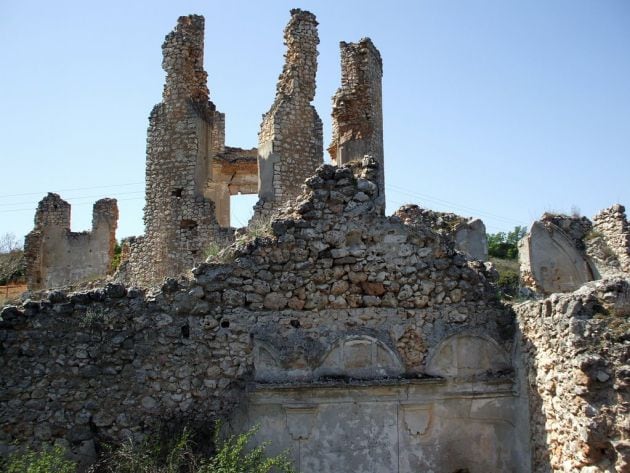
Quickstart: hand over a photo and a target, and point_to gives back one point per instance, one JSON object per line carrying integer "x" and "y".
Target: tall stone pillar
{"x": 290, "y": 141}
{"x": 357, "y": 107}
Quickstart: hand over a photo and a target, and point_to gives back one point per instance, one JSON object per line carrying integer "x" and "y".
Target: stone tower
{"x": 357, "y": 107}
{"x": 290, "y": 141}
{"x": 184, "y": 129}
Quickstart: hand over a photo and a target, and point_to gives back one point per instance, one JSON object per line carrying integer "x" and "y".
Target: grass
{"x": 48, "y": 460}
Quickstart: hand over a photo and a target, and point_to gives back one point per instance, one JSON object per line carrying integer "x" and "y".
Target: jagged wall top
{"x": 183, "y": 60}
{"x": 298, "y": 74}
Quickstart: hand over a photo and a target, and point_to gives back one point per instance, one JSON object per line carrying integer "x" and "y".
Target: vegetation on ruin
{"x": 48, "y": 460}
{"x": 503, "y": 253}
{"x": 116, "y": 259}
{"x": 178, "y": 454}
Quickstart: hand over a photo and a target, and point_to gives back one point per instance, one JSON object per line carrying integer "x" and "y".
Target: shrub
{"x": 49, "y": 460}
{"x": 232, "y": 457}
{"x": 505, "y": 245}
{"x": 178, "y": 455}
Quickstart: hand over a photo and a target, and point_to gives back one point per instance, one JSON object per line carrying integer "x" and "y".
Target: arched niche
{"x": 465, "y": 355}
{"x": 268, "y": 366}
{"x": 360, "y": 356}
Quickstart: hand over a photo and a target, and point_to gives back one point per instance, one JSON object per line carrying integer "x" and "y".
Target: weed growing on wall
{"x": 48, "y": 460}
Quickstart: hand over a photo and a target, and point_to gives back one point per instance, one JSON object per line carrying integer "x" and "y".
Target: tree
{"x": 12, "y": 263}
{"x": 505, "y": 245}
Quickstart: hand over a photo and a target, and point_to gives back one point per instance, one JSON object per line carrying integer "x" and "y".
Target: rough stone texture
{"x": 358, "y": 108}
{"x": 577, "y": 348}
{"x": 553, "y": 257}
{"x": 185, "y": 129}
{"x": 335, "y": 292}
{"x": 56, "y": 256}
{"x": 468, "y": 234}
{"x": 290, "y": 141}
{"x": 612, "y": 226}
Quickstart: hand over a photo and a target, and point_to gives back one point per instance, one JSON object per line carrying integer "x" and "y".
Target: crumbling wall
{"x": 185, "y": 129}
{"x": 357, "y": 107}
{"x": 467, "y": 234}
{"x": 290, "y": 141}
{"x": 56, "y": 256}
{"x": 576, "y": 348}
{"x": 330, "y": 280}
{"x": 553, "y": 257}
{"x": 612, "y": 226}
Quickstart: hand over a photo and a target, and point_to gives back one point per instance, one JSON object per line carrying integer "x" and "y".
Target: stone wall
{"x": 358, "y": 107}
{"x": 577, "y": 351}
{"x": 290, "y": 141}
{"x": 56, "y": 256}
{"x": 335, "y": 293}
{"x": 553, "y": 255}
{"x": 611, "y": 224}
{"x": 468, "y": 234}
{"x": 185, "y": 130}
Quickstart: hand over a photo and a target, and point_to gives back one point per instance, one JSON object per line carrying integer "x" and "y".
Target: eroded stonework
{"x": 577, "y": 349}
{"x": 290, "y": 141}
{"x": 190, "y": 173}
{"x": 56, "y": 256}
{"x": 358, "y": 108}
{"x": 358, "y": 342}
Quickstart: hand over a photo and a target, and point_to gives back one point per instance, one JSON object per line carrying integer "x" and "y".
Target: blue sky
{"x": 499, "y": 109}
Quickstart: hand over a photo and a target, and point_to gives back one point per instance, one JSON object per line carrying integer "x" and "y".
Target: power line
{"x": 71, "y": 198}
{"x": 73, "y": 189}
{"x": 453, "y": 204}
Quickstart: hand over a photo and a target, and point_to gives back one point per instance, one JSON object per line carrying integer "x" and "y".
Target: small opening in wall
{"x": 187, "y": 224}
{"x": 295, "y": 323}
{"x": 177, "y": 192}
{"x": 462, "y": 470}
{"x": 225, "y": 324}
{"x": 242, "y": 209}
{"x": 186, "y": 331}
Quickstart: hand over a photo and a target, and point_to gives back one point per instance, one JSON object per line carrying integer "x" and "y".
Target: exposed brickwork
{"x": 357, "y": 107}
{"x": 290, "y": 141}
{"x": 56, "y": 256}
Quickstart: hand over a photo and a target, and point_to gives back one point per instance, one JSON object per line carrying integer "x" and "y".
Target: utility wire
{"x": 72, "y": 189}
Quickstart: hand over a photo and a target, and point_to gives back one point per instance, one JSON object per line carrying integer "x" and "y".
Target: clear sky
{"x": 497, "y": 109}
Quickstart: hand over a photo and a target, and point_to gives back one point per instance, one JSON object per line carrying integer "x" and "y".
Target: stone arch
{"x": 266, "y": 362}
{"x": 360, "y": 356}
{"x": 466, "y": 354}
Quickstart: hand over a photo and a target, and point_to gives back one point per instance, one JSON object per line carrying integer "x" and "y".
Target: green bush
{"x": 49, "y": 460}
{"x": 179, "y": 456}
{"x": 232, "y": 456}
{"x": 505, "y": 245}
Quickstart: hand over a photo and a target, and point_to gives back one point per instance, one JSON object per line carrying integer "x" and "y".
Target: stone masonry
{"x": 336, "y": 296}
{"x": 356, "y": 341}
{"x": 56, "y": 256}
{"x": 613, "y": 226}
{"x": 577, "y": 349}
{"x": 358, "y": 109}
{"x": 290, "y": 141}
{"x": 184, "y": 130}
{"x": 468, "y": 234}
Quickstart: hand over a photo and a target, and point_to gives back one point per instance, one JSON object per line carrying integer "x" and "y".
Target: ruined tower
{"x": 185, "y": 129}
{"x": 357, "y": 107}
{"x": 56, "y": 256}
{"x": 290, "y": 141}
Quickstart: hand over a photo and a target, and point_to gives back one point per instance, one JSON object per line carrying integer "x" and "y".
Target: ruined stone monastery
{"x": 359, "y": 342}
